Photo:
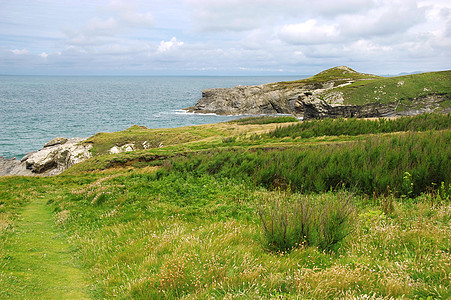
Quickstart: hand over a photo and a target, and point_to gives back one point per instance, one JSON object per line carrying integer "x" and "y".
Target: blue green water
{"x": 36, "y": 109}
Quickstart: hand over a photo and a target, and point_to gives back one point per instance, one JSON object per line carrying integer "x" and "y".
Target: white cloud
{"x": 169, "y": 45}
{"x": 20, "y": 52}
{"x": 101, "y": 27}
{"x": 310, "y": 32}
{"x": 129, "y": 14}
{"x": 388, "y": 18}
{"x": 225, "y": 35}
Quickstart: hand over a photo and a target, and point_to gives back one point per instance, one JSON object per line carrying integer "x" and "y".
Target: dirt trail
{"x": 40, "y": 264}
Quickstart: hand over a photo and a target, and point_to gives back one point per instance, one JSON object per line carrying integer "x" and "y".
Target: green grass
{"x": 337, "y": 75}
{"x": 353, "y": 127}
{"x": 394, "y": 89}
{"x": 151, "y": 236}
{"x": 182, "y": 221}
{"x": 265, "y": 120}
{"x": 35, "y": 256}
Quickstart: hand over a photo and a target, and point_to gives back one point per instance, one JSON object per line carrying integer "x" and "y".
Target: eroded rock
{"x": 56, "y": 156}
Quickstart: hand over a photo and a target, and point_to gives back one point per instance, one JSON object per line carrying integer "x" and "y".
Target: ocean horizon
{"x": 37, "y": 109}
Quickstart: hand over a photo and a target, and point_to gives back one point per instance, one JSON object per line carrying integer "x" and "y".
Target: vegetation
{"x": 337, "y": 74}
{"x": 352, "y": 127}
{"x": 240, "y": 211}
{"x": 307, "y": 221}
{"x": 354, "y": 88}
{"x": 265, "y": 120}
{"x": 401, "y": 88}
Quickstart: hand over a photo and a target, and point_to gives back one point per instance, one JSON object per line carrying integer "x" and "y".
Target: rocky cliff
{"x": 326, "y": 94}
{"x": 56, "y": 156}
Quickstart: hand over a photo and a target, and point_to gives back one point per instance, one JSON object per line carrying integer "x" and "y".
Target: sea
{"x": 36, "y": 109}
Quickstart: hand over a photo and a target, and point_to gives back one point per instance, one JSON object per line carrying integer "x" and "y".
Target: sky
{"x": 223, "y": 37}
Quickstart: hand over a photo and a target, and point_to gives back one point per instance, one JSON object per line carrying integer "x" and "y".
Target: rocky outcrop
{"x": 261, "y": 99}
{"x": 319, "y": 96}
{"x": 272, "y": 98}
{"x": 12, "y": 166}
{"x": 314, "y": 108}
{"x": 321, "y": 109}
{"x": 56, "y": 156}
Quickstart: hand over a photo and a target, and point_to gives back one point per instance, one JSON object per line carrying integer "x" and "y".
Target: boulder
{"x": 12, "y": 166}
{"x": 56, "y": 156}
{"x": 56, "y": 141}
{"x": 124, "y": 148}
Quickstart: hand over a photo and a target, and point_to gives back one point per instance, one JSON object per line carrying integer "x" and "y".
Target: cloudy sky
{"x": 223, "y": 37}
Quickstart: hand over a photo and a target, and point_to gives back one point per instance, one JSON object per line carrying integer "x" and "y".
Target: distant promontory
{"x": 336, "y": 92}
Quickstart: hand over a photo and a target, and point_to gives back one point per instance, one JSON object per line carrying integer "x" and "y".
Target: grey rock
{"x": 315, "y": 108}
{"x": 266, "y": 99}
{"x": 56, "y": 157}
{"x": 253, "y": 100}
{"x": 307, "y": 99}
{"x": 12, "y": 166}
{"x": 56, "y": 141}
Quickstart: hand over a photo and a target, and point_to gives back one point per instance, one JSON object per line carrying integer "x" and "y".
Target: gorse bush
{"x": 352, "y": 127}
{"x": 307, "y": 221}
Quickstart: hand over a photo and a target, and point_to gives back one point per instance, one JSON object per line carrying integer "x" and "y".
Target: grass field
{"x": 208, "y": 215}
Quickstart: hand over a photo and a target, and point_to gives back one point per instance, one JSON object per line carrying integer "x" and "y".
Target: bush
{"x": 265, "y": 120}
{"x": 322, "y": 221}
{"x": 353, "y": 127}
{"x": 371, "y": 166}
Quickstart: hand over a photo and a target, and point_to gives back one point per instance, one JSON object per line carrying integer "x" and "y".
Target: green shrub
{"x": 229, "y": 139}
{"x": 352, "y": 127}
{"x": 307, "y": 221}
{"x": 372, "y": 166}
{"x": 265, "y": 120}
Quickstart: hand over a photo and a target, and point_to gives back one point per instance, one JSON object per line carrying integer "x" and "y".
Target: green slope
{"x": 187, "y": 225}
{"x": 401, "y": 88}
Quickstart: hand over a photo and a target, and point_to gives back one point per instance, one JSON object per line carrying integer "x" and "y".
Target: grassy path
{"x": 37, "y": 263}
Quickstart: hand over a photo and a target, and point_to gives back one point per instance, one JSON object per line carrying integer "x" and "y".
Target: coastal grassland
{"x": 247, "y": 133}
{"x": 35, "y": 257}
{"x": 378, "y": 164}
{"x": 400, "y": 89}
{"x": 265, "y": 120}
{"x": 144, "y": 138}
{"x": 173, "y": 236}
{"x": 11, "y": 200}
{"x": 353, "y": 127}
{"x": 154, "y": 235}
{"x": 338, "y": 75}
{"x": 185, "y": 220}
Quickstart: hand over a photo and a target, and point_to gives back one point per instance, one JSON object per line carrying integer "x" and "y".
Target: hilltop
{"x": 336, "y": 92}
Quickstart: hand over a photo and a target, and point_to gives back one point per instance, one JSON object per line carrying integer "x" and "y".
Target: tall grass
{"x": 199, "y": 237}
{"x": 265, "y": 120}
{"x": 352, "y": 127}
{"x": 374, "y": 166}
{"x": 322, "y": 222}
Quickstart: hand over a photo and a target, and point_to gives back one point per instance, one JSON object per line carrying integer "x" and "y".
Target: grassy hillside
{"x": 398, "y": 89}
{"x": 338, "y": 75}
{"x": 248, "y": 210}
{"x": 346, "y": 86}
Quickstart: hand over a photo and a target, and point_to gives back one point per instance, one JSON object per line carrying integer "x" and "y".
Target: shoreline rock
{"x": 312, "y": 98}
{"x": 55, "y": 157}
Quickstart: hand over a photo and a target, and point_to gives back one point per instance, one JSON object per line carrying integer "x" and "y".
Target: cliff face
{"x": 246, "y": 100}
{"x": 272, "y": 98}
{"x": 319, "y": 109}
{"x": 320, "y": 96}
